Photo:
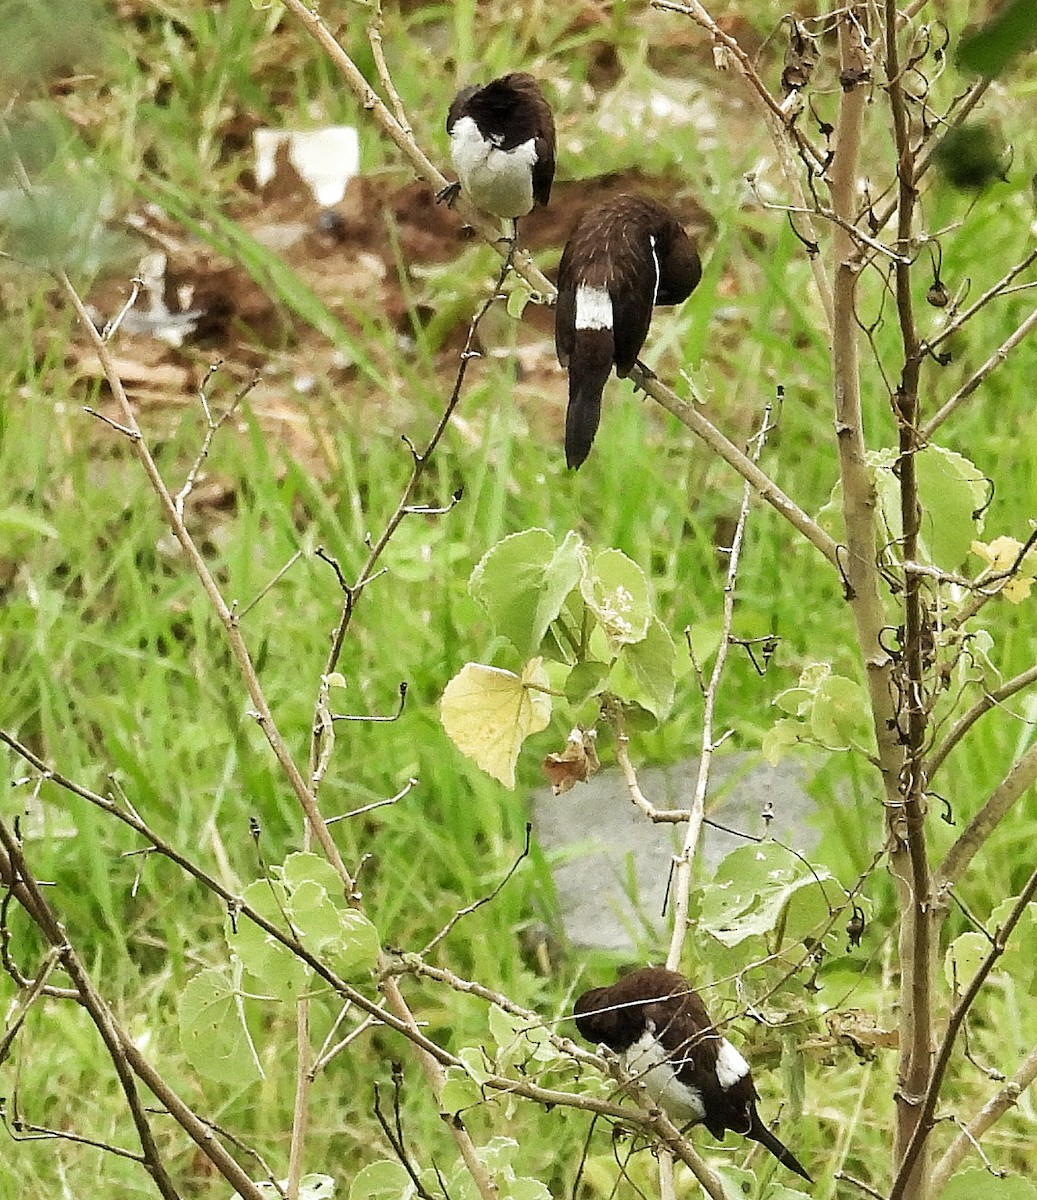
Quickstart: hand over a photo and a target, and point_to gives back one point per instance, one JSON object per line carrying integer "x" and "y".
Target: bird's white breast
{"x": 646, "y": 1060}
{"x": 498, "y": 181}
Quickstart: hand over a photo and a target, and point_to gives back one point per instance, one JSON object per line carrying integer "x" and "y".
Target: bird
{"x": 502, "y": 145}
{"x": 659, "y": 1026}
{"x": 623, "y": 257}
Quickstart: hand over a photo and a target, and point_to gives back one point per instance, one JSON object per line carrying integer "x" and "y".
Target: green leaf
{"x": 979, "y": 1184}
{"x": 384, "y": 1180}
{"x": 524, "y": 1188}
{"x": 586, "y": 679}
{"x": 962, "y": 959}
{"x": 1010, "y": 32}
{"x": 950, "y": 489}
{"x": 488, "y": 713}
{"x": 616, "y": 591}
{"x": 278, "y": 971}
{"x": 518, "y": 298}
{"x": 213, "y": 1033}
{"x": 498, "y": 1153}
{"x": 751, "y": 888}
{"x": 460, "y": 1091}
{"x": 340, "y": 936}
{"x": 512, "y": 1032}
{"x": 304, "y": 867}
{"x": 311, "y": 1187}
{"x": 839, "y": 719}
{"x": 523, "y": 582}
{"x": 796, "y": 701}
{"x": 780, "y": 738}
{"x": 736, "y": 1181}
{"x": 474, "y": 1062}
{"x": 646, "y": 671}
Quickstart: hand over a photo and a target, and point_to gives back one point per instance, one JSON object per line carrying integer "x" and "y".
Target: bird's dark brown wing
{"x": 543, "y": 168}
{"x": 565, "y": 307}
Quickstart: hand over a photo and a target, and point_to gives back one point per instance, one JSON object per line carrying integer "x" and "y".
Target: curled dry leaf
{"x": 859, "y": 1029}
{"x": 576, "y": 763}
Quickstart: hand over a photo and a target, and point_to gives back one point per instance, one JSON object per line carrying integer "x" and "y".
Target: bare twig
{"x": 708, "y": 746}
{"x": 15, "y": 874}
{"x": 991, "y": 293}
{"x": 212, "y": 427}
{"x": 33, "y": 988}
{"x": 237, "y": 643}
{"x": 1008, "y": 792}
{"x": 470, "y": 908}
{"x": 924, "y": 1115}
{"x": 991, "y": 1112}
{"x": 242, "y": 613}
{"x": 970, "y": 386}
{"x": 21, "y": 1130}
{"x": 787, "y": 137}
{"x": 909, "y": 857}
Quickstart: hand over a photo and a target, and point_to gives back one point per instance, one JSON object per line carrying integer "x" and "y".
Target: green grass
{"x": 114, "y": 665}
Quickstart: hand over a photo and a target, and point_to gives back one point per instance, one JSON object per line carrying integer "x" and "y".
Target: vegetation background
{"x": 135, "y": 119}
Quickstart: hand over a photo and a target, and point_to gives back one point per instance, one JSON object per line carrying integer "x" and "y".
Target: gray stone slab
{"x": 611, "y": 864}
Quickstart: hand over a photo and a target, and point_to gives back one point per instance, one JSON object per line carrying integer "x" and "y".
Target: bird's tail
{"x": 589, "y": 367}
{"x": 760, "y": 1133}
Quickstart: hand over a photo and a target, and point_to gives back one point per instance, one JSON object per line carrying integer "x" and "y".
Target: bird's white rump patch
{"x": 731, "y": 1066}
{"x": 593, "y": 308}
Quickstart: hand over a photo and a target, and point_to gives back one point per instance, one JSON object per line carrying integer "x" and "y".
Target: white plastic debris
{"x": 326, "y": 159}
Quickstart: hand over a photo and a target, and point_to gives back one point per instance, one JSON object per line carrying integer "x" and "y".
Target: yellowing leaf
{"x": 488, "y": 713}
{"x": 1000, "y": 554}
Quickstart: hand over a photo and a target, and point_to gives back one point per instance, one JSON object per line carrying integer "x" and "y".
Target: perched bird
{"x": 660, "y": 1026}
{"x": 502, "y": 144}
{"x": 623, "y": 257}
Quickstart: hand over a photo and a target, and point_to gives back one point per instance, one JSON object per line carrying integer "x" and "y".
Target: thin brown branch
{"x": 1009, "y": 791}
{"x": 789, "y": 140}
{"x": 685, "y": 860}
{"x": 33, "y": 989}
{"x": 924, "y": 1116}
{"x": 970, "y": 386}
{"x": 917, "y": 928}
{"x": 858, "y": 564}
{"x": 983, "y": 705}
{"x": 470, "y": 908}
{"x": 420, "y": 463}
{"x": 995, "y": 1108}
{"x": 227, "y": 619}
{"x": 991, "y": 293}
{"x": 25, "y": 888}
{"x": 21, "y": 1130}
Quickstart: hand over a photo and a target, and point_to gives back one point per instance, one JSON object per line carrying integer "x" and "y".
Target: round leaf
{"x": 213, "y": 1033}
{"x": 488, "y": 713}
{"x": 616, "y": 591}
